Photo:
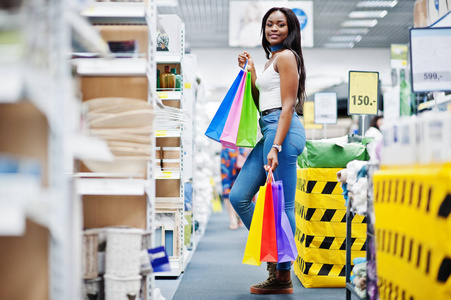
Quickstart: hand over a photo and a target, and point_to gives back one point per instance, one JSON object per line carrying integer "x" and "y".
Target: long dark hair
{"x": 293, "y": 43}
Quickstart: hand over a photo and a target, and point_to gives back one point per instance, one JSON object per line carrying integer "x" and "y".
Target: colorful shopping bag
{"x": 216, "y": 126}
{"x": 254, "y": 239}
{"x": 269, "y": 239}
{"x": 230, "y": 131}
{"x": 247, "y": 130}
{"x": 286, "y": 245}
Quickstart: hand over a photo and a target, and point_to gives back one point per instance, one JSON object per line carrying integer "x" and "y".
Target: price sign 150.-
{"x": 363, "y": 93}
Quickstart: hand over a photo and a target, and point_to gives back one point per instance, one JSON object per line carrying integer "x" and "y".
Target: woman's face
{"x": 276, "y": 29}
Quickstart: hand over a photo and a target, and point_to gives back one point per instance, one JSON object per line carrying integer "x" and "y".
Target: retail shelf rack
{"x": 36, "y": 126}
{"x": 116, "y": 184}
{"x": 168, "y": 201}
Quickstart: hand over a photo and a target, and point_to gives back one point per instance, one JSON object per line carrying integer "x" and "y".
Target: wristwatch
{"x": 278, "y": 147}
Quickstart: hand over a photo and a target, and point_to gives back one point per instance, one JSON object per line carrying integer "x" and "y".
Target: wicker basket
{"x": 93, "y": 289}
{"x": 122, "y": 251}
{"x": 122, "y": 288}
{"x": 89, "y": 254}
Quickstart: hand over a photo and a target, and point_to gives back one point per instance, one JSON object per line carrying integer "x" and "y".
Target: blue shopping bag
{"x": 216, "y": 126}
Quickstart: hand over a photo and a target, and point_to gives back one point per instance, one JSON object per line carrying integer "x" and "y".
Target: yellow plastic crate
{"x": 413, "y": 232}
{"x": 321, "y": 229}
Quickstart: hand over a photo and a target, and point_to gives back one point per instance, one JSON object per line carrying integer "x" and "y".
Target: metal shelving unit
{"x": 130, "y": 13}
{"x": 45, "y": 96}
{"x": 173, "y": 204}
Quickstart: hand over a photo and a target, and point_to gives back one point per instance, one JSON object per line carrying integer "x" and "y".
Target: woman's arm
{"x": 286, "y": 66}
{"x": 250, "y": 67}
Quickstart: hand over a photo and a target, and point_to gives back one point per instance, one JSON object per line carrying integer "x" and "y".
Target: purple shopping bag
{"x": 230, "y": 132}
{"x": 286, "y": 246}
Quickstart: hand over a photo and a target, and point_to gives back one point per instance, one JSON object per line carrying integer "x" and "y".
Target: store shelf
{"x": 169, "y": 95}
{"x": 110, "y": 186}
{"x": 177, "y": 268}
{"x": 116, "y": 12}
{"x": 22, "y": 196}
{"x": 168, "y": 59}
{"x": 431, "y": 103}
{"x": 111, "y": 67}
{"x": 169, "y": 203}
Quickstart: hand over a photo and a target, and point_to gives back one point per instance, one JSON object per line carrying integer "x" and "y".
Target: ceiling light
{"x": 353, "y": 31}
{"x": 377, "y": 3}
{"x": 346, "y": 38}
{"x": 368, "y": 14}
{"x": 339, "y": 45}
{"x": 359, "y": 23}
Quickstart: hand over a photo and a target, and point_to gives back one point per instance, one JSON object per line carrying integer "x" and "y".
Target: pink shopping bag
{"x": 230, "y": 132}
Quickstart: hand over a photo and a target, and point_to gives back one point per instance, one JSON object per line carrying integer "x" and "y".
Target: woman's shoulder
{"x": 285, "y": 58}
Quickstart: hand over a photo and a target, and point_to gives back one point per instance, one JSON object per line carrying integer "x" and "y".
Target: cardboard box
{"x": 24, "y": 132}
{"x": 25, "y": 264}
{"x": 114, "y": 86}
{"x": 167, "y": 188}
{"x": 103, "y": 211}
{"x": 119, "y": 33}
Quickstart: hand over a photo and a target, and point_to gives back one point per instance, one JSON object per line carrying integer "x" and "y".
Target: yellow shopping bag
{"x": 254, "y": 239}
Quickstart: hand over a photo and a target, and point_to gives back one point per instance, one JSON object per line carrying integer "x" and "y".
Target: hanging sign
{"x": 363, "y": 93}
{"x": 430, "y": 59}
{"x": 325, "y": 107}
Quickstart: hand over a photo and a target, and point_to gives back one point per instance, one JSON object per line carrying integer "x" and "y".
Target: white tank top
{"x": 268, "y": 84}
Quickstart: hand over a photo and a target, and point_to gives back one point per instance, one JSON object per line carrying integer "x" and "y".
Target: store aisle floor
{"x": 216, "y": 271}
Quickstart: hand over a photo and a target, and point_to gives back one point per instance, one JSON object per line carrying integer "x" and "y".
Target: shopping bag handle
{"x": 270, "y": 176}
{"x": 245, "y": 65}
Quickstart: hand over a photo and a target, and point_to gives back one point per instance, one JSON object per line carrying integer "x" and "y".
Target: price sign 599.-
{"x": 363, "y": 93}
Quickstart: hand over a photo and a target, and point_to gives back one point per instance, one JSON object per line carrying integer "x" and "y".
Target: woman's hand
{"x": 273, "y": 160}
{"x": 242, "y": 60}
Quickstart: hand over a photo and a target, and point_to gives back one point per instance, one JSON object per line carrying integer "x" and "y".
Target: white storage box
{"x": 122, "y": 288}
{"x": 122, "y": 251}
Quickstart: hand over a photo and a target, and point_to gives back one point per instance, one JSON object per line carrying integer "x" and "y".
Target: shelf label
{"x": 325, "y": 108}
{"x": 188, "y": 85}
{"x": 166, "y": 175}
{"x": 363, "y": 93}
{"x": 161, "y": 133}
{"x": 163, "y": 95}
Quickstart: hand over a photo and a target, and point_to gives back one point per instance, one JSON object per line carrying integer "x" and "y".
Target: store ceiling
{"x": 207, "y": 23}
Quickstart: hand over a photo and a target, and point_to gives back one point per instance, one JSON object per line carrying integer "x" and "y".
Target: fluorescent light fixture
{"x": 339, "y": 45}
{"x": 359, "y": 23}
{"x": 346, "y": 38}
{"x": 376, "y": 3}
{"x": 353, "y": 31}
{"x": 169, "y": 3}
{"x": 368, "y": 14}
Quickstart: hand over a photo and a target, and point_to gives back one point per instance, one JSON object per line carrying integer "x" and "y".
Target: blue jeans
{"x": 253, "y": 175}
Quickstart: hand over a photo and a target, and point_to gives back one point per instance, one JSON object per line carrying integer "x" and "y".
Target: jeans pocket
{"x": 297, "y": 140}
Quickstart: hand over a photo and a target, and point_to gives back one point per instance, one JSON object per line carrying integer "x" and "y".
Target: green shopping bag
{"x": 247, "y": 131}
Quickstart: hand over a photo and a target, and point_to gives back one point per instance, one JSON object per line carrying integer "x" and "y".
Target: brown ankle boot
{"x": 280, "y": 284}
{"x": 272, "y": 269}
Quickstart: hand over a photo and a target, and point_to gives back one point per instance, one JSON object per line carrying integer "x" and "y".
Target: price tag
{"x": 162, "y": 95}
{"x": 363, "y": 93}
{"x": 309, "y": 116}
{"x": 325, "y": 108}
{"x": 431, "y": 59}
{"x": 161, "y": 133}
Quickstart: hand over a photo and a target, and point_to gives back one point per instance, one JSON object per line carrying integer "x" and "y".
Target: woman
{"x": 278, "y": 92}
